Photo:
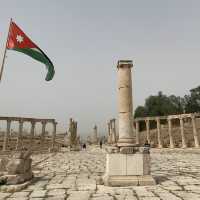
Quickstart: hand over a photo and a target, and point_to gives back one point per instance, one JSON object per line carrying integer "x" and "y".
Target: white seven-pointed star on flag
{"x": 19, "y": 38}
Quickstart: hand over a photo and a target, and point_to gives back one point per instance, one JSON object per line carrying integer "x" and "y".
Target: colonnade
{"x": 21, "y": 121}
{"x": 192, "y": 117}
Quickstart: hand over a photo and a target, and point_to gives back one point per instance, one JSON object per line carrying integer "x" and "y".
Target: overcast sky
{"x": 85, "y": 39}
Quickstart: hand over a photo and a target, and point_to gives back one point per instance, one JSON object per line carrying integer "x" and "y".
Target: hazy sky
{"x": 85, "y": 39}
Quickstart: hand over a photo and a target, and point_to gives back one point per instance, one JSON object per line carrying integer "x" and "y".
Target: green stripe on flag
{"x": 41, "y": 57}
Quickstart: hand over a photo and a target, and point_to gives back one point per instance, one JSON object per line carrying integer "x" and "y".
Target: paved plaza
{"x": 77, "y": 175}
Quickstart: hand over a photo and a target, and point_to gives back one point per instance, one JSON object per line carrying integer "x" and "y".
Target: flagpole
{"x": 5, "y": 51}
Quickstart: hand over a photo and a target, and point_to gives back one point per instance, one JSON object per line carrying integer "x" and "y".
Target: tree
{"x": 140, "y": 111}
{"x": 160, "y": 105}
{"x": 192, "y": 101}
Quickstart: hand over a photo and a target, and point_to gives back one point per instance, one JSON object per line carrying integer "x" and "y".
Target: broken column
{"x": 113, "y": 131}
{"x": 94, "y": 137}
{"x": 109, "y": 138}
{"x": 127, "y": 164}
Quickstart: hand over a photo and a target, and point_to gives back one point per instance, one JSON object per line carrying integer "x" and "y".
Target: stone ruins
{"x": 170, "y": 139}
{"x": 93, "y": 138}
{"x": 72, "y": 140}
{"x": 37, "y": 165}
{"x": 20, "y": 141}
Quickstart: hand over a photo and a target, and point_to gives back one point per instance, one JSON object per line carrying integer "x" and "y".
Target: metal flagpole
{"x": 4, "y": 55}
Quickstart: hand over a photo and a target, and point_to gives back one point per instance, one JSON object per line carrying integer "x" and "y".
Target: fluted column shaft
{"x": 196, "y": 139}
{"x": 125, "y": 107}
{"x": 171, "y": 141}
{"x": 6, "y": 135}
{"x": 182, "y": 133}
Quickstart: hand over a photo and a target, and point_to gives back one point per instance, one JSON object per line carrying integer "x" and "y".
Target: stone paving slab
{"x": 76, "y": 176}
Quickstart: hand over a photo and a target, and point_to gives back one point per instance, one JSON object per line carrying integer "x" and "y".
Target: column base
{"x": 123, "y": 181}
{"x": 125, "y": 168}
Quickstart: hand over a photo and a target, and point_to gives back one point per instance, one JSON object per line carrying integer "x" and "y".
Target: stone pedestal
{"x": 128, "y": 169}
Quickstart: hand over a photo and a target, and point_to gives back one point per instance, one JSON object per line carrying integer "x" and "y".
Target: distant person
{"x": 84, "y": 146}
{"x": 100, "y": 144}
{"x": 146, "y": 146}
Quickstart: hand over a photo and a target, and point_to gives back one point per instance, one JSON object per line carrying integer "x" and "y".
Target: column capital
{"x": 157, "y": 119}
{"x": 43, "y": 122}
{"x": 21, "y": 121}
{"x": 33, "y": 122}
{"x": 124, "y": 63}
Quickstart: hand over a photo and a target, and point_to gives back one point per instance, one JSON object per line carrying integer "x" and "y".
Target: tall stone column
{"x": 159, "y": 132}
{"x": 109, "y": 133}
{"x": 19, "y": 136}
{"x": 147, "y": 130}
{"x": 182, "y": 133}
{"x": 6, "y": 135}
{"x": 137, "y": 132}
{"x": 125, "y": 107}
{"x": 32, "y": 130}
{"x": 171, "y": 141}
{"x": 196, "y": 139}
{"x": 44, "y": 123}
{"x": 126, "y": 164}
{"x": 54, "y": 134}
{"x": 113, "y": 131}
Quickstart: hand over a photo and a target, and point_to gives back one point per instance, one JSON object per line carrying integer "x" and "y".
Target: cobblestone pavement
{"x": 76, "y": 175}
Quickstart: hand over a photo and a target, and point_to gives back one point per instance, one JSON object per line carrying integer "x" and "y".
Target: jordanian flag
{"x": 18, "y": 41}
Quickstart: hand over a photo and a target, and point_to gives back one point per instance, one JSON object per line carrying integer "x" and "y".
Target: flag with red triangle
{"x": 19, "y": 41}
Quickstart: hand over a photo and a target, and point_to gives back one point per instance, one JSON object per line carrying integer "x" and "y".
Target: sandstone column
{"x": 32, "y": 131}
{"x": 182, "y": 133}
{"x": 137, "y": 132}
{"x": 94, "y": 137}
{"x": 54, "y": 134}
{"x": 159, "y": 132}
{"x": 6, "y": 135}
{"x": 125, "y": 107}
{"x": 147, "y": 130}
{"x": 19, "y": 137}
{"x": 109, "y": 133}
{"x": 113, "y": 131}
{"x": 171, "y": 142}
{"x": 126, "y": 164}
{"x": 43, "y": 132}
{"x": 196, "y": 139}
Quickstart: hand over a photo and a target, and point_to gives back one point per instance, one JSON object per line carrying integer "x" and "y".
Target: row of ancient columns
{"x": 171, "y": 140}
{"x": 112, "y": 136}
{"x": 7, "y": 134}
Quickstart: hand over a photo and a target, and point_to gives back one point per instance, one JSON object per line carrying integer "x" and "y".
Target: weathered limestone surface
{"x": 76, "y": 176}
